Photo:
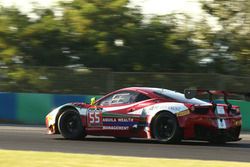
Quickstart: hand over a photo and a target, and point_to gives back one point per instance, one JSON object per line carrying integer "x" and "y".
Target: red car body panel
{"x": 119, "y": 119}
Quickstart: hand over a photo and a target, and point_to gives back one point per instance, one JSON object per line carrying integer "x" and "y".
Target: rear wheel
{"x": 166, "y": 128}
{"x": 70, "y": 125}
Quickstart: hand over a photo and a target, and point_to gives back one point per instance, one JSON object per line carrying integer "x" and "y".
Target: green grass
{"x": 54, "y": 159}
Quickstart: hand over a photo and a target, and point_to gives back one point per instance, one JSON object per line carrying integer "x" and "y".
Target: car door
{"x": 111, "y": 113}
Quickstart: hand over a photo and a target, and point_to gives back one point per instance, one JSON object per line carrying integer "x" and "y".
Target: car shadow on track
{"x": 239, "y": 144}
{"x": 232, "y": 145}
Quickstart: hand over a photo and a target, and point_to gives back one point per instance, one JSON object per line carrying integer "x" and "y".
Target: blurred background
{"x": 94, "y": 47}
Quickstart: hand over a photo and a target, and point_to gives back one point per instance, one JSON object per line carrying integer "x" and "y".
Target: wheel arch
{"x": 60, "y": 111}
{"x": 155, "y": 116}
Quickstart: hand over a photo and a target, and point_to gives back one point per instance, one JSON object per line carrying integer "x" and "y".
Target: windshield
{"x": 176, "y": 96}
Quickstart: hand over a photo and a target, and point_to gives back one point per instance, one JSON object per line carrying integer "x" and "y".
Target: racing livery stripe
{"x": 119, "y": 123}
{"x": 105, "y": 114}
{"x": 117, "y": 108}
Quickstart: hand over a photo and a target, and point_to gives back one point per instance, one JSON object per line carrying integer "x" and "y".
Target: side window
{"x": 124, "y": 97}
{"x": 118, "y": 98}
{"x": 141, "y": 97}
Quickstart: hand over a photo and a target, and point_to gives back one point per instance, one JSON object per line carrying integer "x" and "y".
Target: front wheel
{"x": 166, "y": 128}
{"x": 70, "y": 125}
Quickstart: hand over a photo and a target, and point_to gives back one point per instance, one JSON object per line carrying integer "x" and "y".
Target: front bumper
{"x": 50, "y": 125}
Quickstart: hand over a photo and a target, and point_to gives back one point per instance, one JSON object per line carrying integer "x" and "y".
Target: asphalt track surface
{"x": 13, "y": 137}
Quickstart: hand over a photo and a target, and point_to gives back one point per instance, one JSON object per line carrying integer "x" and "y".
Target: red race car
{"x": 152, "y": 113}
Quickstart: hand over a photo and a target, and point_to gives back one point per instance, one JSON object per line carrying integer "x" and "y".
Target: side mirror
{"x": 92, "y": 101}
{"x": 190, "y": 93}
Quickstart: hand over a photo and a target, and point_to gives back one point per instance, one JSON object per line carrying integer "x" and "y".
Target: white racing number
{"x": 94, "y": 117}
{"x": 221, "y": 124}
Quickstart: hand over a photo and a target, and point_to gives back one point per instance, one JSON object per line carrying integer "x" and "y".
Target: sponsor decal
{"x": 125, "y": 119}
{"x": 118, "y": 121}
{"x": 173, "y": 107}
{"x": 109, "y": 120}
{"x": 183, "y": 113}
{"x": 115, "y": 127}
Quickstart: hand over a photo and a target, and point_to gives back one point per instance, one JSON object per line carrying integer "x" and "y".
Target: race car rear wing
{"x": 191, "y": 93}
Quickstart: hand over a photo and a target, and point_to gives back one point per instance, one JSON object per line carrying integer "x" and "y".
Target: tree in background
{"x": 110, "y": 34}
{"x": 87, "y": 34}
{"x": 12, "y": 58}
{"x": 232, "y": 41}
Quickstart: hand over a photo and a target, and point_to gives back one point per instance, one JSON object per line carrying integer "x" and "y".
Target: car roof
{"x": 177, "y": 96}
{"x": 143, "y": 89}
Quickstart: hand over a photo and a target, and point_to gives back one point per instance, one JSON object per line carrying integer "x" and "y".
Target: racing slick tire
{"x": 70, "y": 125}
{"x": 166, "y": 128}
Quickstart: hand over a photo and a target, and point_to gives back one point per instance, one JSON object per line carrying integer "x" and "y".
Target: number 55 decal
{"x": 94, "y": 117}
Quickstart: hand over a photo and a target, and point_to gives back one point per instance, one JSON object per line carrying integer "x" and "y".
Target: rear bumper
{"x": 215, "y": 134}
{"x": 204, "y": 127}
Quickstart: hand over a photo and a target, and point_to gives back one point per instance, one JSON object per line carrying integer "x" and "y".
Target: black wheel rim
{"x": 71, "y": 123}
{"x": 165, "y": 128}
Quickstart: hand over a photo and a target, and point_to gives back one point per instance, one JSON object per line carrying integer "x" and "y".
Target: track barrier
{"x": 31, "y": 108}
